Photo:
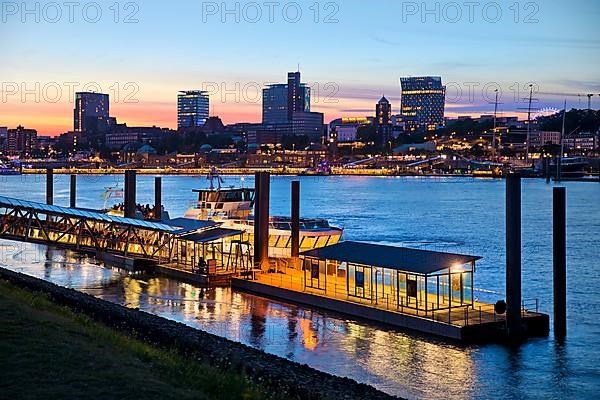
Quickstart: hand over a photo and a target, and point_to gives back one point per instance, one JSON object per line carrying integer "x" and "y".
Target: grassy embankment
{"x": 49, "y": 352}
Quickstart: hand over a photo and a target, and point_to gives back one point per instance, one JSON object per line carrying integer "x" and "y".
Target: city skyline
{"x": 352, "y": 61}
{"x": 134, "y": 111}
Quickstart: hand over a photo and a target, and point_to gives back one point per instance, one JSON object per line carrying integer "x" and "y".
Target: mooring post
{"x": 265, "y": 193}
{"x": 559, "y": 219}
{"x": 513, "y": 255}
{"x": 547, "y": 169}
{"x": 295, "y": 224}
{"x": 158, "y": 198}
{"x": 257, "y": 218}
{"x": 49, "y": 186}
{"x": 130, "y": 193}
{"x": 73, "y": 187}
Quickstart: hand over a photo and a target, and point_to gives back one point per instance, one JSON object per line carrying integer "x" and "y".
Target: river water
{"x": 446, "y": 214}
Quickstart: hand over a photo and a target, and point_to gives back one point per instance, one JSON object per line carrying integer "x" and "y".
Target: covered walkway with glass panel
{"x": 181, "y": 243}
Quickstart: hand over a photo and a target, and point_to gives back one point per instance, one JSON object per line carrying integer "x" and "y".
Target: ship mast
{"x": 212, "y": 175}
{"x": 529, "y": 122}
{"x": 562, "y": 149}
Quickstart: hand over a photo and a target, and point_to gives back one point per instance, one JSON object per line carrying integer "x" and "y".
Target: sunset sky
{"x": 353, "y": 53}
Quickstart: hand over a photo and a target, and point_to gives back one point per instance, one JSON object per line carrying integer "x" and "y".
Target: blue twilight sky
{"x": 351, "y": 51}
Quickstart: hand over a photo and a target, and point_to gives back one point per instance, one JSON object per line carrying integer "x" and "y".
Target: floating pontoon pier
{"x": 421, "y": 290}
{"x": 127, "y": 243}
{"x": 426, "y": 291}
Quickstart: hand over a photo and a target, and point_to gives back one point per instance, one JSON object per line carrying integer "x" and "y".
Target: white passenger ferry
{"x": 233, "y": 208}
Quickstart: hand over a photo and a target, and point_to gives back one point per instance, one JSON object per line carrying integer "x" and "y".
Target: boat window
{"x": 309, "y": 242}
{"x": 212, "y": 196}
{"x": 322, "y": 241}
{"x": 233, "y": 196}
{"x": 248, "y": 195}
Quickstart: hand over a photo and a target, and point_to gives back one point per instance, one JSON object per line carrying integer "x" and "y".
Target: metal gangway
{"x": 181, "y": 242}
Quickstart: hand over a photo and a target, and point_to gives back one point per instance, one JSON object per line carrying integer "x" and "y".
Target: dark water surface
{"x": 447, "y": 214}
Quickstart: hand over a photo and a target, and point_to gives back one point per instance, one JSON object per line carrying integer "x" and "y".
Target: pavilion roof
{"x": 398, "y": 258}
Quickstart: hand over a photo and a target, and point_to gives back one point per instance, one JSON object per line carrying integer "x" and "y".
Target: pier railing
{"x": 479, "y": 313}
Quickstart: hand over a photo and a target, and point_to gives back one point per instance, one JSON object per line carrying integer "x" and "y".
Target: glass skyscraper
{"x": 286, "y": 111}
{"x": 192, "y": 108}
{"x": 298, "y": 95}
{"x": 91, "y": 114}
{"x": 423, "y": 102}
{"x": 275, "y": 104}
{"x": 281, "y": 101}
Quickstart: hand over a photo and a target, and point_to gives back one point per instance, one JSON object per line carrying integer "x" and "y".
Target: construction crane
{"x": 579, "y": 95}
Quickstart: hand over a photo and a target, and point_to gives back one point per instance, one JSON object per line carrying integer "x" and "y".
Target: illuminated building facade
{"x": 192, "y": 108}
{"x": 309, "y": 124}
{"x": 345, "y": 130}
{"x": 540, "y": 138}
{"x": 91, "y": 113}
{"x": 581, "y": 141}
{"x": 275, "y": 104}
{"x": 383, "y": 117}
{"x": 423, "y": 102}
{"x": 20, "y": 141}
{"x": 281, "y": 100}
{"x": 298, "y": 95}
{"x": 286, "y": 111}
{"x": 3, "y": 136}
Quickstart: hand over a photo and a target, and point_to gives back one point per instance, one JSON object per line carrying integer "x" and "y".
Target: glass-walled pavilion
{"x": 396, "y": 277}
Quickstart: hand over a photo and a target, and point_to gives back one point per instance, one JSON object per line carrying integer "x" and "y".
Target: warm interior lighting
{"x": 457, "y": 268}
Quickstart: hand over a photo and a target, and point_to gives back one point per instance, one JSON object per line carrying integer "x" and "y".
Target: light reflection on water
{"x": 324, "y": 341}
{"x": 461, "y": 215}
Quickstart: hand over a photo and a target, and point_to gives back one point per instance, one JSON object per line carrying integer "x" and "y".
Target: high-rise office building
{"x": 298, "y": 95}
{"x": 3, "y": 135}
{"x": 286, "y": 110}
{"x": 423, "y": 102}
{"x": 275, "y": 104}
{"x": 192, "y": 108}
{"x": 91, "y": 113}
{"x": 281, "y": 100}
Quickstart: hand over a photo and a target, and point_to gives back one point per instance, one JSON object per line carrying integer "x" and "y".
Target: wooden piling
{"x": 295, "y": 240}
{"x": 560, "y": 261}
{"x": 49, "y": 186}
{"x": 257, "y": 180}
{"x": 130, "y": 193}
{"x": 158, "y": 198}
{"x": 73, "y": 192}
{"x": 513, "y": 255}
{"x": 265, "y": 192}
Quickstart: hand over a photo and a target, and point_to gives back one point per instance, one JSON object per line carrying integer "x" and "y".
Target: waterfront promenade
{"x": 282, "y": 171}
